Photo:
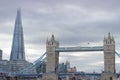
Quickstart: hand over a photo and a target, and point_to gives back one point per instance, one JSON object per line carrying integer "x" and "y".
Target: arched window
{"x": 110, "y": 78}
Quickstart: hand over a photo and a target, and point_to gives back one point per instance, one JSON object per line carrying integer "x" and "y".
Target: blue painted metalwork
{"x": 76, "y": 49}
{"x": 39, "y": 59}
{"x": 117, "y": 53}
{"x": 35, "y": 64}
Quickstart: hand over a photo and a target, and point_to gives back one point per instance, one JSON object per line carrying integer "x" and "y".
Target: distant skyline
{"x": 73, "y": 22}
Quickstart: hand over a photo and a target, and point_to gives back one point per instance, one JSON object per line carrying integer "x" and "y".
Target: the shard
{"x": 17, "y": 57}
{"x": 18, "y": 52}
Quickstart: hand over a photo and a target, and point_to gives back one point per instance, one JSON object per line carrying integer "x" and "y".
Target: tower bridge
{"x": 51, "y": 56}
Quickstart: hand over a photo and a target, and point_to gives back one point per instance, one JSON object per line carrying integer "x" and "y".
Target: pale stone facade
{"x": 52, "y": 60}
{"x": 109, "y": 59}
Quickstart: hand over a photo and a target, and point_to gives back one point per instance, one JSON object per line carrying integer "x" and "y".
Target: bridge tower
{"x": 52, "y": 59}
{"x": 109, "y": 58}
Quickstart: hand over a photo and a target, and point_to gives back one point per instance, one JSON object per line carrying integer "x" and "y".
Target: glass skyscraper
{"x": 17, "y": 52}
{"x": 17, "y": 57}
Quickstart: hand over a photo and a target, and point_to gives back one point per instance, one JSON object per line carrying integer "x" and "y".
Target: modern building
{"x": 67, "y": 64}
{"x": 62, "y": 68}
{"x": 17, "y": 57}
{"x": 4, "y": 64}
{"x": 18, "y": 52}
{"x": 0, "y": 54}
{"x": 69, "y": 68}
{"x": 41, "y": 68}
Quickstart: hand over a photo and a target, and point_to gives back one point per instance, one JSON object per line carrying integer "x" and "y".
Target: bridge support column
{"x": 52, "y": 60}
{"x": 109, "y": 59}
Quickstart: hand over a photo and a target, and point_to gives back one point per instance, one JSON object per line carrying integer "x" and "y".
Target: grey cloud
{"x": 72, "y": 22}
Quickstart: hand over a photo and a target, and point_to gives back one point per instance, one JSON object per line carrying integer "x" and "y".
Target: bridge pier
{"x": 52, "y": 60}
{"x": 109, "y": 59}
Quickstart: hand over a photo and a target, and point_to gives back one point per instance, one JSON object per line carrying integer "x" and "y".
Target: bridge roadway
{"x": 76, "y": 49}
{"x": 61, "y": 74}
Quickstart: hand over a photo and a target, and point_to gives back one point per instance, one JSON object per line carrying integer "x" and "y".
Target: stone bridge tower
{"x": 52, "y": 59}
{"x": 109, "y": 59}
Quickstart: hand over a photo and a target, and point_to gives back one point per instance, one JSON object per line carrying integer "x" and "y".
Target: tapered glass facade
{"x": 18, "y": 52}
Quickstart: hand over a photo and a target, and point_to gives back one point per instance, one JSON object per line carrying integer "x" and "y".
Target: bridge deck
{"x": 76, "y": 49}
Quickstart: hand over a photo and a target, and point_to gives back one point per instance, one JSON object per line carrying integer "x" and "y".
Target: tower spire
{"x": 109, "y": 36}
{"x": 52, "y": 38}
{"x": 17, "y": 51}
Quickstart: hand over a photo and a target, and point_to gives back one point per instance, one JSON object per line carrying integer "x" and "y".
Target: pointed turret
{"x": 109, "y": 36}
{"x": 52, "y": 38}
{"x": 109, "y": 39}
{"x": 17, "y": 51}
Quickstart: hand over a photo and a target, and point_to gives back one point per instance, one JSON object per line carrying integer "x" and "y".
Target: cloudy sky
{"x": 73, "y": 22}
